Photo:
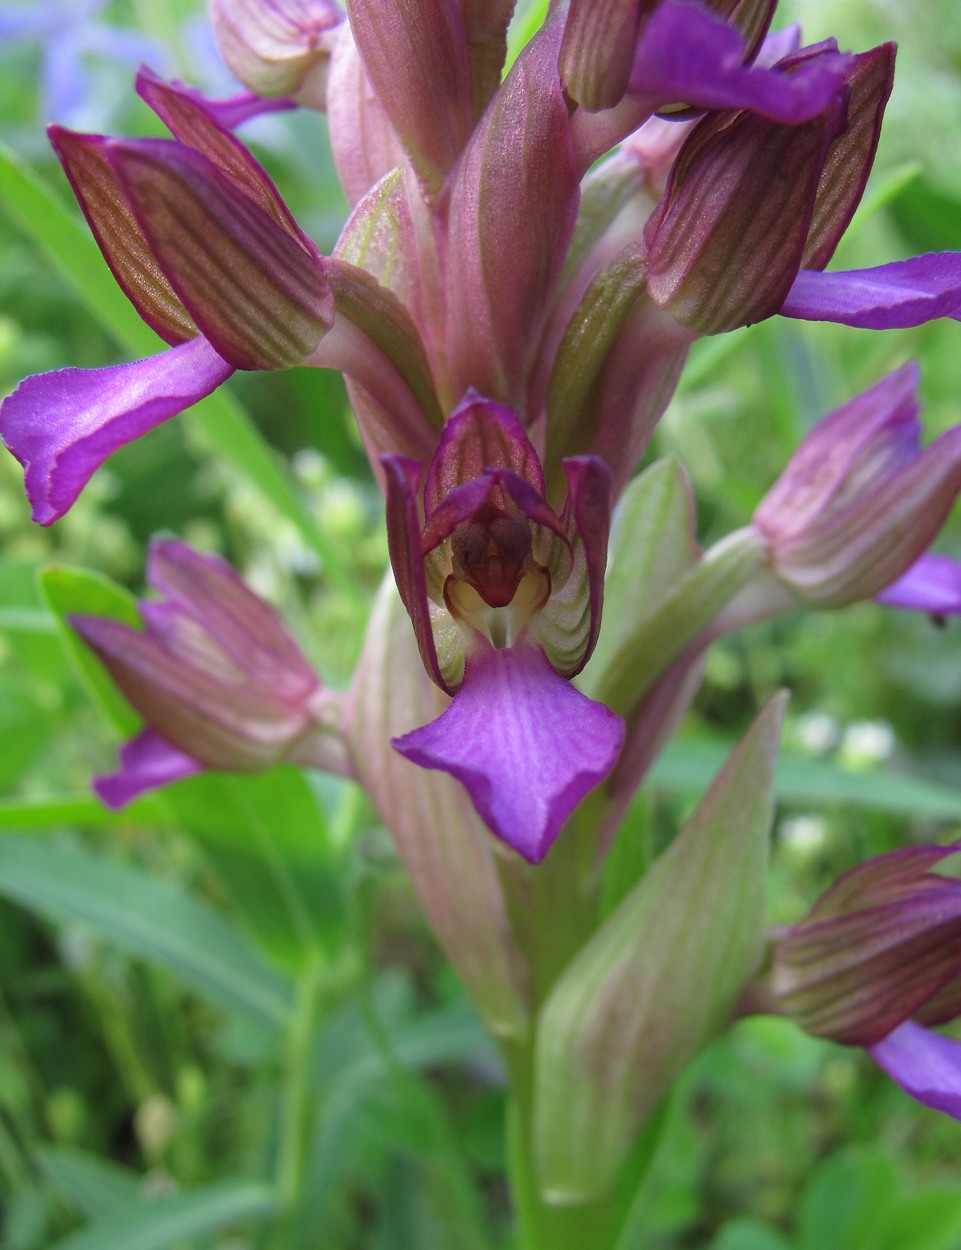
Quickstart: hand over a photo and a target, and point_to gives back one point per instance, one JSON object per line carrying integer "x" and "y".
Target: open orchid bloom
{"x": 505, "y": 597}
{"x": 202, "y": 244}
{"x": 215, "y": 675}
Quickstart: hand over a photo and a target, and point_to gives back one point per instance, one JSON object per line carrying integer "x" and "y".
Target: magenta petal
{"x": 146, "y": 762}
{"x": 931, "y": 584}
{"x": 687, "y": 55}
{"x": 901, "y": 294}
{"x": 926, "y": 1065}
{"x": 527, "y": 745}
{"x": 61, "y": 426}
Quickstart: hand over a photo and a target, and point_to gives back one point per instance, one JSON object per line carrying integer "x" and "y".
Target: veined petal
{"x": 193, "y": 120}
{"x": 146, "y": 762}
{"x": 925, "y": 1065}
{"x": 86, "y": 162}
{"x": 61, "y": 426}
{"x": 258, "y": 291}
{"x": 931, "y": 584}
{"x": 895, "y": 296}
{"x": 527, "y": 745}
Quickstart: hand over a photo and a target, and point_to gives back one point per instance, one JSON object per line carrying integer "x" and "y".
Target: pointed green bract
{"x": 657, "y": 981}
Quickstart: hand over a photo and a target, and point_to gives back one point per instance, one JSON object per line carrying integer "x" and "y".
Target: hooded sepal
{"x": 874, "y": 949}
{"x": 869, "y": 79}
{"x": 257, "y": 291}
{"x": 93, "y": 179}
{"x": 277, "y": 49}
{"x": 214, "y": 673}
{"x": 525, "y": 743}
{"x": 657, "y": 981}
{"x": 447, "y": 851}
{"x": 62, "y": 426}
{"x": 727, "y": 239}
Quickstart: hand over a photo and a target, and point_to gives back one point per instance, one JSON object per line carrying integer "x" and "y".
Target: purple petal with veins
{"x": 146, "y": 762}
{"x": 62, "y": 426}
{"x": 895, "y": 296}
{"x": 526, "y": 743}
{"x": 926, "y": 1065}
{"x": 931, "y": 584}
{"x": 687, "y": 55}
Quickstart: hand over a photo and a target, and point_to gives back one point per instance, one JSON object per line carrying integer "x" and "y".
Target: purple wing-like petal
{"x": 925, "y": 1065}
{"x": 901, "y": 294}
{"x": 146, "y": 762}
{"x": 527, "y": 745}
{"x": 61, "y": 426}
{"x": 931, "y": 584}
{"x": 689, "y": 55}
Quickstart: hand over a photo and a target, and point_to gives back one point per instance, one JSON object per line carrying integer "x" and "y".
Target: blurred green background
{"x": 222, "y": 1034}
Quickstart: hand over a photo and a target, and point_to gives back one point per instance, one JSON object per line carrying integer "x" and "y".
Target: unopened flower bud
{"x": 277, "y": 49}
{"x": 875, "y": 950}
{"x": 215, "y": 675}
{"x": 859, "y": 501}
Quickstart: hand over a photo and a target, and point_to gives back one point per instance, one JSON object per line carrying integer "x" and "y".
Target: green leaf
{"x": 225, "y": 429}
{"x": 657, "y": 980}
{"x": 157, "y": 921}
{"x": 847, "y": 1201}
{"x": 927, "y": 1220}
{"x": 77, "y": 592}
{"x": 159, "y": 1223}
{"x": 748, "y": 1235}
{"x": 95, "y": 1186}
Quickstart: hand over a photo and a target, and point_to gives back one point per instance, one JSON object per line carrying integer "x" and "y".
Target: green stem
{"x": 542, "y": 1225}
{"x": 295, "y": 1113}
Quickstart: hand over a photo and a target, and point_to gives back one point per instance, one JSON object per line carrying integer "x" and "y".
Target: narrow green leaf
{"x": 657, "y": 981}
{"x": 224, "y": 427}
{"x": 159, "y": 1223}
{"x": 69, "y": 591}
{"x": 95, "y": 1186}
{"x": 157, "y": 921}
{"x": 80, "y": 810}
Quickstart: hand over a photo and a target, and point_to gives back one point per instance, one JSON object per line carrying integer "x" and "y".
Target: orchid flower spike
{"x": 505, "y": 598}
{"x": 215, "y": 675}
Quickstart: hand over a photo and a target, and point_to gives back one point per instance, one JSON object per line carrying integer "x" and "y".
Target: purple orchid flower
{"x": 875, "y": 961}
{"x": 200, "y": 241}
{"x": 505, "y": 597}
{"x": 215, "y": 675}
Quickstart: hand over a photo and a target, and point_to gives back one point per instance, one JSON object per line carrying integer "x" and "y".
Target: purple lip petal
{"x": 688, "y": 55}
{"x": 527, "y": 745}
{"x": 62, "y": 426}
{"x": 146, "y": 763}
{"x": 931, "y": 584}
{"x": 925, "y": 1065}
{"x": 895, "y": 296}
